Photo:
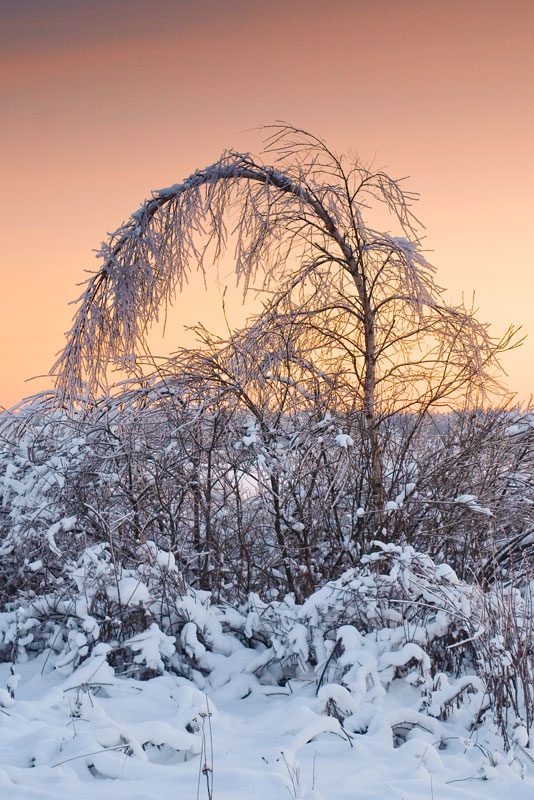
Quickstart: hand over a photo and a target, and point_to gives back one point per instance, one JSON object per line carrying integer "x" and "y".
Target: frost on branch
{"x": 300, "y": 231}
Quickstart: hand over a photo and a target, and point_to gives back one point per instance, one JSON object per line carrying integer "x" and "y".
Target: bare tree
{"x": 362, "y": 304}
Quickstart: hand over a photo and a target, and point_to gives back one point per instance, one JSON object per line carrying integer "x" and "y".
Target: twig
{"x": 95, "y": 753}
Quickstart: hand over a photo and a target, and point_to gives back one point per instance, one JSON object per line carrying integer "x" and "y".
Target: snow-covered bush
{"x": 270, "y": 501}
{"x": 397, "y": 616}
{"x": 176, "y": 526}
{"x": 41, "y": 453}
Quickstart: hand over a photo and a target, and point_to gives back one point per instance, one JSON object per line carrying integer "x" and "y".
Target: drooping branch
{"x": 284, "y": 217}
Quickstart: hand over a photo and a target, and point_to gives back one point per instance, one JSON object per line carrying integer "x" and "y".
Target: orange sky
{"x": 103, "y": 101}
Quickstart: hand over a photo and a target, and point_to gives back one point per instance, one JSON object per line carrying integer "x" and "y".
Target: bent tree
{"x": 361, "y": 303}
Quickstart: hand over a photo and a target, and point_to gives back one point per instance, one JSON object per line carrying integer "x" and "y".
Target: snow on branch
{"x": 284, "y": 213}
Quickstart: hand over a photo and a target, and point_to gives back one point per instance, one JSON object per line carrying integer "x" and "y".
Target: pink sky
{"x": 104, "y": 101}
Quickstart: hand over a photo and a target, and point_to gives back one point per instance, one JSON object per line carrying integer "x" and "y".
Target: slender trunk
{"x": 371, "y": 423}
{"x": 280, "y": 535}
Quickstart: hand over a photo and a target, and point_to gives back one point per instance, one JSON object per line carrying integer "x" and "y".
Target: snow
{"x": 471, "y": 501}
{"x": 128, "y": 591}
{"x": 344, "y": 440}
{"x": 446, "y": 573}
{"x": 331, "y": 699}
{"x": 142, "y": 740}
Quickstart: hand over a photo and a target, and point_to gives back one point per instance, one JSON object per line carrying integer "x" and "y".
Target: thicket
{"x": 274, "y": 503}
{"x": 149, "y": 516}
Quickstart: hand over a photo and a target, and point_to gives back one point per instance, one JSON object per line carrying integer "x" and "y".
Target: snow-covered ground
{"x": 93, "y": 733}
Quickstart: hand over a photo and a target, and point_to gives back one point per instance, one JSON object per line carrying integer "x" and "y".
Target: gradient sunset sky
{"x": 103, "y": 101}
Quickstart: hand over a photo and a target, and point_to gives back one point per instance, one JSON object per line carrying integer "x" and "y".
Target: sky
{"x": 104, "y": 101}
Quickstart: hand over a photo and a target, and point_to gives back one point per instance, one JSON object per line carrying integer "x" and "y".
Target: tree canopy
{"x": 367, "y": 298}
